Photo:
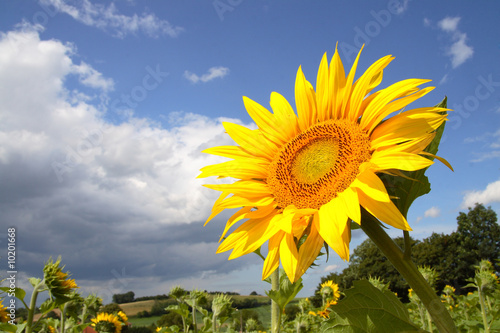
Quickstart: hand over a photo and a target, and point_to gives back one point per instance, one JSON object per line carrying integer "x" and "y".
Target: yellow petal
{"x": 331, "y": 222}
{"x": 386, "y": 212}
{"x": 289, "y": 255}
{"x": 286, "y": 117}
{"x": 238, "y": 216}
{"x": 337, "y": 84}
{"x": 236, "y": 202}
{"x": 380, "y": 107}
{"x": 344, "y": 113}
{"x": 215, "y": 209}
{"x": 244, "y": 188}
{"x": 370, "y": 184}
{"x": 250, "y": 140}
{"x": 406, "y": 126}
{"x": 440, "y": 159}
{"x": 272, "y": 259}
{"x": 351, "y": 204}
{"x": 305, "y": 100}
{"x": 235, "y": 169}
{"x": 227, "y": 151}
{"x": 386, "y": 159}
{"x": 370, "y": 78}
{"x": 322, "y": 90}
{"x": 248, "y": 237}
{"x": 308, "y": 252}
{"x": 265, "y": 121}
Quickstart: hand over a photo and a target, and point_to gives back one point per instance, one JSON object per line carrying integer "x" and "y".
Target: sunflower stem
{"x": 31, "y": 309}
{"x": 275, "y": 309}
{"x": 410, "y": 273}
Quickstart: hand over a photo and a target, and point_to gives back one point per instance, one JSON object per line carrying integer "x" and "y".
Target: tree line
{"x": 453, "y": 256}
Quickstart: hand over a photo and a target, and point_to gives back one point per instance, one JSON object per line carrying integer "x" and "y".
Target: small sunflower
{"x": 3, "y": 314}
{"x": 107, "y": 323}
{"x": 329, "y": 288}
{"x": 122, "y": 316}
{"x": 306, "y": 175}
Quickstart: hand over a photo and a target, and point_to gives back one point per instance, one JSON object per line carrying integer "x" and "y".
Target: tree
{"x": 478, "y": 237}
{"x": 111, "y": 308}
{"x": 453, "y": 256}
{"x": 128, "y": 297}
{"x": 439, "y": 251}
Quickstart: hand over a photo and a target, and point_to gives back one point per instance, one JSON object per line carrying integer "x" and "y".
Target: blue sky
{"x": 105, "y": 107}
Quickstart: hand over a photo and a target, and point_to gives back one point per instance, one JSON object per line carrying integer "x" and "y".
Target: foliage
{"x": 127, "y": 297}
{"x": 75, "y": 311}
{"x": 452, "y": 256}
{"x": 111, "y": 308}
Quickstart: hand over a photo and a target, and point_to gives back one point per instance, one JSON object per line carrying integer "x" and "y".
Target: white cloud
{"x": 109, "y": 19}
{"x": 490, "y": 194}
{"x": 331, "y": 268}
{"x": 449, "y": 24}
{"x": 95, "y": 185}
{"x": 432, "y": 212}
{"x": 213, "y": 73}
{"x": 488, "y": 140}
{"x": 444, "y": 79}
{"x": 427, "y": 22}
{"x": 458, "y": 51}
{"x": 401, "y": 6}
{"x": 90, "y": 77}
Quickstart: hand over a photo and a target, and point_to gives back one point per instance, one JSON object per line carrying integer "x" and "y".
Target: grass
{"x": 132, "y": 309}
{"x": 145, "y": 321}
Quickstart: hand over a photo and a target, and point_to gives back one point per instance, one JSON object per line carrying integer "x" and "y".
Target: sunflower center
{"x": 314, "y": 160}
{"x": 318, "y": 163}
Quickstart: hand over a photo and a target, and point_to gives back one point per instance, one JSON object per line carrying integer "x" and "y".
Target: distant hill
{"x": 239, "y": 302}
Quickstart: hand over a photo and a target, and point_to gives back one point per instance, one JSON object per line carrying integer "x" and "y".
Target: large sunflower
{"x": 304, "y": 176}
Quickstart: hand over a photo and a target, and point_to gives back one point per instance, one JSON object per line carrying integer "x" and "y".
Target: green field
{"x": 132, "y": 309}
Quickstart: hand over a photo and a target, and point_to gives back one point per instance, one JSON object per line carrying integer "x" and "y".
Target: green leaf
{"x": 34, "y": 281}
{"x": 415, "y": 183}
{"x": 4, "y": 327}
{"x": 367, "y": 309}
{"x": 287, "y": 291}
{"x": 47, "y": 306}
{"x": 18, "y": 292}
{"x": 181, "y": 309}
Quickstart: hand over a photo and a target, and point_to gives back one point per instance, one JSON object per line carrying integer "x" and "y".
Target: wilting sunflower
{"x": 305, "y": 176}
{"x": 107, "y": 322}
{"x": 57, "y": 281}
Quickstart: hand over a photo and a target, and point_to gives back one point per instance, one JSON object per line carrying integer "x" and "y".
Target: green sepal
{"x": 367, "y": 309}
{"x": 286, "y": 292}
{"x": 413, "y": 184}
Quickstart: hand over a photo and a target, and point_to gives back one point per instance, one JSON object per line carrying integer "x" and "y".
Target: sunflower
{"x": 57, "y": 281}
{"x": 300, "y": 178}
{"x": 3, "y": 314}
{"x": 329, "y": 288}
{"x": 122, "y": 316}
{"x": 107, "y": 322}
